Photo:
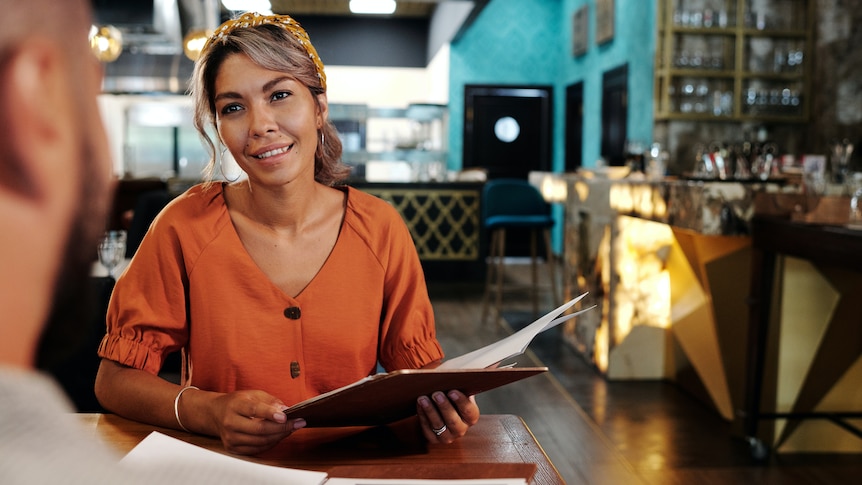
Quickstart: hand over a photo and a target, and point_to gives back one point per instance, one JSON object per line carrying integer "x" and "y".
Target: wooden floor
{"x": 600, "y": 432}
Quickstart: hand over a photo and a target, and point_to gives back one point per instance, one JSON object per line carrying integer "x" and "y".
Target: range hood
{"x": 148, "y": 73}
{"x": 152, "y": 60}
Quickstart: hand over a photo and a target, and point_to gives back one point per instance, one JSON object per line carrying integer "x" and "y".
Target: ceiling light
{"x": 380, "y": 7}
{"x": 193, "y": 42}
{"x": 260, "y": 6}
{"x": 106, "y": 42}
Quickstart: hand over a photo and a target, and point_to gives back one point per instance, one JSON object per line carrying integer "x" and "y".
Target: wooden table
{"x": 499, "y": 446}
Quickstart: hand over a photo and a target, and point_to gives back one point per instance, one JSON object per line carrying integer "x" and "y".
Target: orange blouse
{"x": 192, "y": 284}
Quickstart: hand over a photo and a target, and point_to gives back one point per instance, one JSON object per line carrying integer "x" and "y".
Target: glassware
{"x": 657, "y": 163}
{"x": 112, "y": 250}
{"x": 814, "y": 187}
{"x": 841, "y": 152}
{"x": 854, "y": 218}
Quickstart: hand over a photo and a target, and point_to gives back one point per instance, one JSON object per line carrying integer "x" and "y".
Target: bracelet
{"x": 177, "y": 406}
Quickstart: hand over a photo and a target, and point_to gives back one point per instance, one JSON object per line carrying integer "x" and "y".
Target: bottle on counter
{"x": 656, "y": 165}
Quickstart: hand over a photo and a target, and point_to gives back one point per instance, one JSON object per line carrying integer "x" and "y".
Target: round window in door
{"x": 507, "y": 129}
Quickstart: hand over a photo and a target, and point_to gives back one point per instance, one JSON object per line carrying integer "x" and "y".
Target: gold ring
{"x": 439, "y": 431}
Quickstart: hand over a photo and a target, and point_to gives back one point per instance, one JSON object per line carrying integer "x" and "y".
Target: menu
{"x": 387, "y": 397}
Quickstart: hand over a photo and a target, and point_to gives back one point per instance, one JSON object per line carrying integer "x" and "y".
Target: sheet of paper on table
{"x": 514, "y": 344}
{"x": 160, "y": 450}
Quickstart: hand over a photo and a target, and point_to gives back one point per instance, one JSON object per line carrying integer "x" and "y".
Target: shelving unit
{"x": 416, "y": 135}
{"x": 734, "y": 60}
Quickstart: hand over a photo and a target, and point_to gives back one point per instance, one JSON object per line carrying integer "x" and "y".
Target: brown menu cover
{"x": 385, "y": 398}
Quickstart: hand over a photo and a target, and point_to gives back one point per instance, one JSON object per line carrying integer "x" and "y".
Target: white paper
{"x": 370, "y": 481}
{"x": 160, "y": 450}
{"x": 514, "y": 344}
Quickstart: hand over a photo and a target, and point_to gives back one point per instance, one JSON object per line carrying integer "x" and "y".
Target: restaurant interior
{"x": 696, "y": 168}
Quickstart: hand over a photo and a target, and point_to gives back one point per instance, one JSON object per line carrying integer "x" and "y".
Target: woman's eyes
{"x": 231, "y": 108}
{"x": 234, "y": 107}
{"x": 280, "y": 95}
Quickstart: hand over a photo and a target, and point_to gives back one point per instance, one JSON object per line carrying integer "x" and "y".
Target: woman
{"x": 277, "y": 287}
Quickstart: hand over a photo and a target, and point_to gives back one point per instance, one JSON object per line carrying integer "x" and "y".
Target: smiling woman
{"x": 252, "y": 102}
{"x": 242, "y": 276}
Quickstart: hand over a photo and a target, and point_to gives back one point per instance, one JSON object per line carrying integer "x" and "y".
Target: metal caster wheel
{"x": 759, "y": 450}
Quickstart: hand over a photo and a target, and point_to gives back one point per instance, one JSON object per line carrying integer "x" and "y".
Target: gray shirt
{"x": 42, "y": 442}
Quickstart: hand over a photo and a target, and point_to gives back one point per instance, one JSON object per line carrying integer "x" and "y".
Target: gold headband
{"x": 253, "y": 19}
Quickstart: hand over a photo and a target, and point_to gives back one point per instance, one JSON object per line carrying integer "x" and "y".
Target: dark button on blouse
{"x": 294, "y": 369}
{"x": 292, "y": 313}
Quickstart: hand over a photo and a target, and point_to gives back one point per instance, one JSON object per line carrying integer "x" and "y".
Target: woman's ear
{"x": 323, "y": 110}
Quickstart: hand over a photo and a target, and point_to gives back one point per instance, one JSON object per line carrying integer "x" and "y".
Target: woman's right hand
{"x": 247, "y": 422}
{"x": 250, "y": 422}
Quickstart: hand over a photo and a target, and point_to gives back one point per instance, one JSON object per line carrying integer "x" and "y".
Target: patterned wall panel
{"x": 444, "y": 222}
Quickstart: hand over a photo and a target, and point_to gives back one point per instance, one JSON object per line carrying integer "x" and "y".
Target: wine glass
{"x": 112, "y": 250}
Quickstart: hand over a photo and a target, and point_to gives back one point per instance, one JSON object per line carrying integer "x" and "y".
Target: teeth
{"x": 271, "y": 153}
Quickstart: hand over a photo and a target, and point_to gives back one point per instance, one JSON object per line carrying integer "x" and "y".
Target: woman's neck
{"x": 287, "y": 207}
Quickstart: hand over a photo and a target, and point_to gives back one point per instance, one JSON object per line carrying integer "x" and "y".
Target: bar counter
{"x": 672, "y": 264}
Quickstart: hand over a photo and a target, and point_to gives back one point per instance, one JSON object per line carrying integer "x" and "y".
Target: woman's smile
{"x": 274, "y": 152}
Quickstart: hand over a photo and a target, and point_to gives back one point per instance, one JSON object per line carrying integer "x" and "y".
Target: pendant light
{"x": 106, "y": 42}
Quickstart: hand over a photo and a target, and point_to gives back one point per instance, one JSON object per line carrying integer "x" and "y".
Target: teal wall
{"x": 529, "y": 42}
{"x": 521, "y": 42}
{"x": 511, "y": 42}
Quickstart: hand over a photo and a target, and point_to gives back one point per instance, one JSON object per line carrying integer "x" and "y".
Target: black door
{"x": 507, "y": 129}
{"x": 614, "y": 114}
{"x": 574, "y": 126}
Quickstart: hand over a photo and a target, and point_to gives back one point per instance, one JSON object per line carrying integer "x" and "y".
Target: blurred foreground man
{"x": 54, "y": 193}
{"x": 55, "y": 187}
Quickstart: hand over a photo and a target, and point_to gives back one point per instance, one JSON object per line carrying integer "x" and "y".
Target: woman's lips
{"x": 272, "y": 153}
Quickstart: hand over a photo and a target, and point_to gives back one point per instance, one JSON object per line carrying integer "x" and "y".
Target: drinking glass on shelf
{"x": 112, "y": 250}
{"x": 854, "y": 218}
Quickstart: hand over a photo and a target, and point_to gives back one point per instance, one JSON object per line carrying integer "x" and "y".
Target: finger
{"x": 249, "y": 444}
{"x": 440, "y": 416}
{"x": 430, "y": 419}
{"x": 259, "y": 435}
{"x": 467, "y": 408}
{"x": 260, "y": 405}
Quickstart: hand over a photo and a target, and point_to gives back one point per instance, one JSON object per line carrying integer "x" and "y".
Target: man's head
{"x": 54, "y": 169}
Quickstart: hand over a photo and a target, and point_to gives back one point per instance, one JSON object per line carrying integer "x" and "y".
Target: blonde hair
{"x": 272, "y": 47}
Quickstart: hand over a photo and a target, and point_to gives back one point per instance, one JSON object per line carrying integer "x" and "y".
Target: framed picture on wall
{"x": 580, "y": 31}
{"x": 604, "y": 21}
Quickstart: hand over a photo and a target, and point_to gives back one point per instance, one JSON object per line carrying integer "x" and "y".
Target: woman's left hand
{"x": 445, "y": 417}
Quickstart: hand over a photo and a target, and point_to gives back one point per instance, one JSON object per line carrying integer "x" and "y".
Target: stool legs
{"x": 551, "y": 262}
{"x": 551, "y": 268}
{"x": 495, "y": 272}
{"x": 496, "y": 253}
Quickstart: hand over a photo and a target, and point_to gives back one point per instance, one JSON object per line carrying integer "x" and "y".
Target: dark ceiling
{"x": 404, "y": 8}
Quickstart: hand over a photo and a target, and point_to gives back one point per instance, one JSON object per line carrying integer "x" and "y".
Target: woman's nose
{"x": 262, "y": 121}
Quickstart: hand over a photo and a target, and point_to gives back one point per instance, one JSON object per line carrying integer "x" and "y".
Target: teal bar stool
{"x": 514, "y": 205}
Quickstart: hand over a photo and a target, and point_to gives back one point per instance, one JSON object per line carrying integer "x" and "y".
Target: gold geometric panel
{"x": 820, "y": 316}
{"x": 694, "y": 323}
{"x": 807, "y": 303}
{"x": 819, "y": 435}
{"x": 444, "y": 223}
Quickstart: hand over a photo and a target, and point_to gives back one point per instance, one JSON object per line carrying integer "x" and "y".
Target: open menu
{"x": 385, "y": 398}
{"x": 388, "y": 397}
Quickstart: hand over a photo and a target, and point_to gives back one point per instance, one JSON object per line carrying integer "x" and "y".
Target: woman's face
{"x": 268, "y": 120}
